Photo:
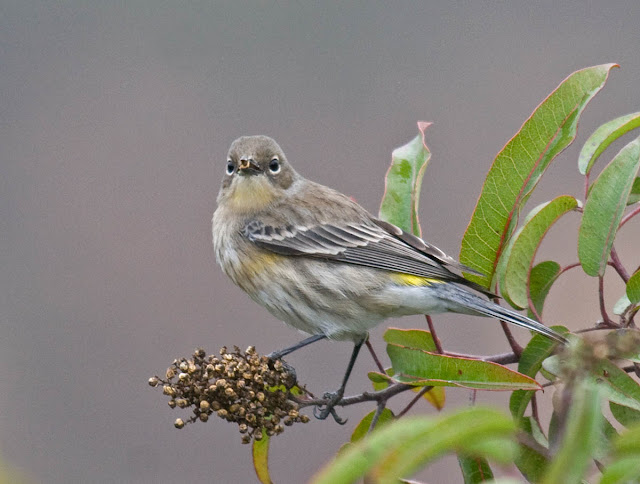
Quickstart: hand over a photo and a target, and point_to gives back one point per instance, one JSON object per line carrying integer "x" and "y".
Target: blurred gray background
{"x": 115, "y": 119}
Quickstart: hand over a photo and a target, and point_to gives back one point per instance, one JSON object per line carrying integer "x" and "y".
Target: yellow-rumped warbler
{"x": 324, "y": 265}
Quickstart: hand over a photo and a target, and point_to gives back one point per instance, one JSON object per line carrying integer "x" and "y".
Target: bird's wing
{"x": 375, "y": 244}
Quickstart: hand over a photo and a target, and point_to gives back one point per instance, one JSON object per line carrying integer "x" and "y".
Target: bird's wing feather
{"x": 375, "y": 244}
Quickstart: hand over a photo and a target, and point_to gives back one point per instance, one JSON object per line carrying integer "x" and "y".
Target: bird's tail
{"x": 487, "y": 308}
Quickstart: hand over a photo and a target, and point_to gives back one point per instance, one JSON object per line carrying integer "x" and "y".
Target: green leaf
{"x": 525, "y": 245}
{"x": 579, "y": 438}
{"x": 622, "y": 471}
{"x": 634, "y": 196}
{"x": 625, "y": 415}
{"x": 633, "y": 287}
{"x": 403, "y": 181}
{"x": 628, "y": 442}
{"x": 519, "y": 166}
{"x": 420, "y": 368}
{"x": 603, "y": 137}
{"x": 541, "y": 278}
{"x": 474, "y": 469}
{"x": 261, "y": 458}
{"x": 403, "y": 446}
{"x": 539, "y": 349}
{"x": 604, "y": 209}
{"x": 531, "y": 463}
{"x": 617, "y": 386}
{"x": 362, "y": 428}
{"x": 410, "y": 338}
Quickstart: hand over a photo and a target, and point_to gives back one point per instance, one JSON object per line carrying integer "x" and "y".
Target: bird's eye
{"x": 274, "y": 166}
{"x": 230, "y": 167}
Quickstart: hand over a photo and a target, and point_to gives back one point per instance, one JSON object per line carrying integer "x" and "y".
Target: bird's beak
{"x": 248, "y": 167}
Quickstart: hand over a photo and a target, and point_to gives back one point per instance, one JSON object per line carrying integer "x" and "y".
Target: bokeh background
{"x": 115, "y": 119}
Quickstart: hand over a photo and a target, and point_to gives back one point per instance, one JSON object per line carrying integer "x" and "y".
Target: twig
{"x": 376, "y": 416}
{"x": 617, "y": 265}
{"x": 629, "y": 216}
{"x": 603, "y": 311}
{"x": 374, "y": 356}
{"x": 378, "y": 396}
{"x": 414, "y": 400}
{"x": 534, "y": 410}
{"x": 517, "y": 349}
{"x": 432, "y": 329}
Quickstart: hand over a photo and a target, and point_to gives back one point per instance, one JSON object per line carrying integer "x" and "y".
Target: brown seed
{"x": 153, "y": 381}
{"x": 179, "y": 423}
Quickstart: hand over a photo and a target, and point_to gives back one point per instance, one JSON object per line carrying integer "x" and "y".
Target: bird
{"x": 317, "y": 260}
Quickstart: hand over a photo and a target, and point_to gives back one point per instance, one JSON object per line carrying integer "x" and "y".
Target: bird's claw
{"x": 322, "y": 412}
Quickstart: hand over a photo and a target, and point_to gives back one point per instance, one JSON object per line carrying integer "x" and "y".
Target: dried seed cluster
{"x": 242, "y": 387}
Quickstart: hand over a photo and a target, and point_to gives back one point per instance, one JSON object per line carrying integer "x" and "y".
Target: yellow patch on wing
{"x": 411, "y": 280}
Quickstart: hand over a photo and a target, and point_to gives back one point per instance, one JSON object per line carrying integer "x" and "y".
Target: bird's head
{"x": 256, "y": 174}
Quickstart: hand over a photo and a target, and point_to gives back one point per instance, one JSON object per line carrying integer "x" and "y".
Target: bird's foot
{"x": 323, "y": 411}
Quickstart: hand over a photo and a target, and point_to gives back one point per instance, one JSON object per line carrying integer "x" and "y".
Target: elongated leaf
{"x": 622, "y": 471}
{"x": 579, "y": 438}
{"x": 403, "y": 181}
{"x": 401, "y": 447}
{"x": 603, "y": 137}
{"x": 605, "y": 207}
{"x": 422, "y": 340}
{"x": 531, "y": 463}
{"x": 525, "y": 245}
{"x": 538, "y": 350}
{"x": 261, "y": 459}
{"x": 625, "y": 415}
{"x": 628, "y": 442}
{"x": 363, "y": 427}
{"x": 634, "y": 196}
{"x": 519, "y": 166}
{"x": 420, "y": 368}
{"x": 411, "y": 338}
{"x": 474, "y": 469}
{"x": 617, "y": 386}
{"x": 541, "y": 278}
{"x": 633, "y": 287}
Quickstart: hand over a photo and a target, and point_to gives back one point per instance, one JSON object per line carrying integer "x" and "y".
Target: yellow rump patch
{"x": 411, "y": 280}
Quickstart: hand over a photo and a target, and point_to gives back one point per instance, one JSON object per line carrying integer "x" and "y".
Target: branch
{"x": 617, "y": 265}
